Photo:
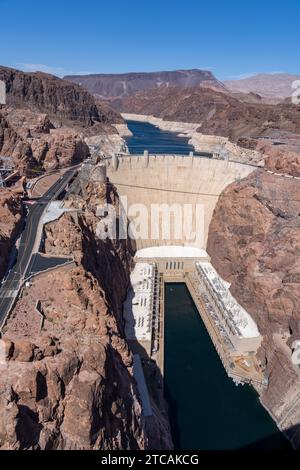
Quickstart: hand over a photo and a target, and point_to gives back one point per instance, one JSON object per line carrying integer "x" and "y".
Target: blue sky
{"x": 231, "y": 38}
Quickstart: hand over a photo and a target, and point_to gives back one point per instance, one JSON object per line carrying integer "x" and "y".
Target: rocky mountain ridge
{"x": 126, "y": 84}
{"x": 216, "y": 112}
{"x": 62, "y": 100}
{"x": 274, "y": 86}
{"x": 35, "y": 145}
{"x": 46, "y": 120}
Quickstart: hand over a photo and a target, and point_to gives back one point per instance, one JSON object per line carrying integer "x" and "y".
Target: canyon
{"x": 66, "y": 356}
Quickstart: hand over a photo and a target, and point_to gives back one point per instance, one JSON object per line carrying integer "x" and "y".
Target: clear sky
{"x": 231, "y": 38}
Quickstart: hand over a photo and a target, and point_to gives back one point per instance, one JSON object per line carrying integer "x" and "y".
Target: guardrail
{"x": 139, "y": 155}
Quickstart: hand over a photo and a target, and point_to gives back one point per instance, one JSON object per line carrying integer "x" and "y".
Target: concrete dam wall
{"x": 188, "y": 185}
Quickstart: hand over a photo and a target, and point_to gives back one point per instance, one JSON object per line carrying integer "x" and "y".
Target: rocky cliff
{"x": 254, "y": 243}
{"x": 282, "y": 158}
{"x": 67, "y": 380}
{"x": 46, "y": 120}
{"x": 10, "y": 218}
{"x": 60, "y": 99}
{"x": 34, "y": 144}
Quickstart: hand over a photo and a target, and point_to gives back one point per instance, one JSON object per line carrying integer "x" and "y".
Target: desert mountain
{"x": 119, "y": 85}
{"x": 276, "y": 86}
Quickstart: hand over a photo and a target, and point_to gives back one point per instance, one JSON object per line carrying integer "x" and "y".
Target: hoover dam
{"x": 175, "y": 181}
{"x": 176, "y": 293}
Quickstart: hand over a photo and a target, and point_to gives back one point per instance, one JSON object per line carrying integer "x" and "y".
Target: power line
{"x": 199, "y": 193}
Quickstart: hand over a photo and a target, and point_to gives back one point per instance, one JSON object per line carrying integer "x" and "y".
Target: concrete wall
{"x": 173, "y": 179}
{"x": 173, "y": 266}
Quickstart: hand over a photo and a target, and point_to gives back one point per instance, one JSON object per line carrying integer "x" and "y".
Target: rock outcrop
{"x": 10, "y": 217}
{"x": 34, "y": 144}
{"x": 61, "y": 100}
{"x": 282, "y": 158}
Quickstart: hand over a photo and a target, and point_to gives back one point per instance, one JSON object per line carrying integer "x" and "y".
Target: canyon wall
{"x": 59, "y": 98}
{"x": 34, "y": 145}
{"x": 10, "y": 217}
{"x": 254, "y": 244}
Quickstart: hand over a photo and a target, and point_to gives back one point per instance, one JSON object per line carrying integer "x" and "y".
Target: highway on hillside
{"x": 19, "y": 271}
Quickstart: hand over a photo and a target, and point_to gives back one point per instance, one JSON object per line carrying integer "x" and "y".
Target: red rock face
{"x": 34, "y": 144}
{"x": 254, "y": 242}
{"x": 282, "y": 159}
{"x": 44, "y": 124}
{"x": 60, "y": 99}
{"x": 71, "y": 378}
{"x": 10, "y": 217}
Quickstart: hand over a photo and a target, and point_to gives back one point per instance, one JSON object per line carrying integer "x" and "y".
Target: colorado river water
{"x": 207, "y": 410}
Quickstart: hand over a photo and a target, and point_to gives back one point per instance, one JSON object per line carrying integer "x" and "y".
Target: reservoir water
{"x": 207, "y": 410}
{"x": 149, "y": 137}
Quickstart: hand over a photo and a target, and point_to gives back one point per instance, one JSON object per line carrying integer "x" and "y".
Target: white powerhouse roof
{"x": 171, "y": 251}
{"x": 139, "y": 302}
{"x": 237, "y": 315}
